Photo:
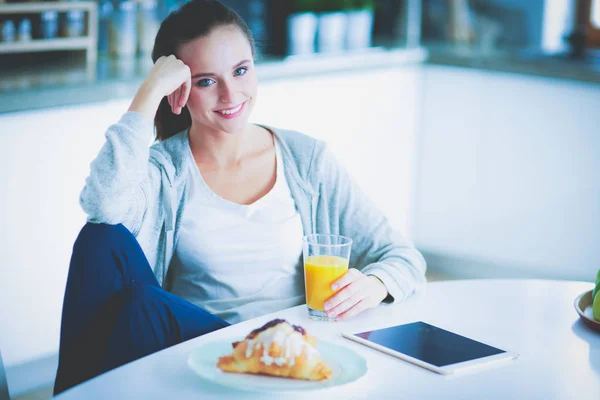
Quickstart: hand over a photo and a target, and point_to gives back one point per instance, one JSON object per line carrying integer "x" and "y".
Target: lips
{"x": 233, "y": 112}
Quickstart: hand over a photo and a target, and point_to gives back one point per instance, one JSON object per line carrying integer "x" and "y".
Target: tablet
{"x": 431, "y": 347}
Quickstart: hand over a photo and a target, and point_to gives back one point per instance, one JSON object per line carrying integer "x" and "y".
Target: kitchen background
{"x": 481, "y": 116}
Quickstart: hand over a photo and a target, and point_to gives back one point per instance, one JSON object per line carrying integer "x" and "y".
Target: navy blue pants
{"x": 114, "y": 310}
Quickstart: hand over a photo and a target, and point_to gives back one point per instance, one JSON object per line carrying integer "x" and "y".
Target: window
{"x": 595, "y": 15}
{"x": 593, "y": 21}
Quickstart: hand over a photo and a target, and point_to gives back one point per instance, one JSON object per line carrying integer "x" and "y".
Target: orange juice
{"x": 319, "y": 273}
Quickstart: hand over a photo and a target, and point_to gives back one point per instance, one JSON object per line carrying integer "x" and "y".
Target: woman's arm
{"x": 121, "y": 179}
{"x": 380, "y": 255}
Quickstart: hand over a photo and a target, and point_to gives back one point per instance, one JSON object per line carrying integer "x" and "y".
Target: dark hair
{"x": 192, "y": 20}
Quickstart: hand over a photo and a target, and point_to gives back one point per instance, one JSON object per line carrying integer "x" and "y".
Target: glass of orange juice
{"x": 326, "y": 258}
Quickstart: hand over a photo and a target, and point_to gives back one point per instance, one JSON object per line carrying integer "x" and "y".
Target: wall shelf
{"x": 87, "y": 43}
{"x": 38, "y": 45}
{"x": 22, "y": 8}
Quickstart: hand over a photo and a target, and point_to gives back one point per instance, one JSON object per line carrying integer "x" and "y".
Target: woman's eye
{"x": 205, "y": 82}
{"x": 240, "y": 71}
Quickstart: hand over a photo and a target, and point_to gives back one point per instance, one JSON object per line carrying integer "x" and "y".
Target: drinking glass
{"x": 326, "y": 259}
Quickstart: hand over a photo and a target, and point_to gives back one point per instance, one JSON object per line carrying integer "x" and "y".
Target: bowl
{"x": 582, "y": 302}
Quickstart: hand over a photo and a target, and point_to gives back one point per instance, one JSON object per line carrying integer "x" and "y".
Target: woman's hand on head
{"x": 174, "y": 79}
{"x": 169, "y": 77}
{"x": 358, "y": 292}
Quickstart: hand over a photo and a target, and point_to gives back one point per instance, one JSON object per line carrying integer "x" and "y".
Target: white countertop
{"x": 559, "y": 355}
{"x": 60, "y": 84}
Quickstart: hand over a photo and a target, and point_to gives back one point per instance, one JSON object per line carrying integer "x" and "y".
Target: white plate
{"x": 347, "y": 366}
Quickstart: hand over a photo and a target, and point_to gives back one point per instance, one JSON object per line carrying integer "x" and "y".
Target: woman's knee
{"x": 102, "y": 250}
{"x": 103, "y": 235}
{"x": 96, "y": 246}
{"x": 104, "y": 231}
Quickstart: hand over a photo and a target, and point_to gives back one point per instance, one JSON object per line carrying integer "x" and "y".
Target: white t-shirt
{"x": 239, "y": 261}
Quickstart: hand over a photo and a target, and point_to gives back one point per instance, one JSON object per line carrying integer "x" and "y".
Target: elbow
{"x": 100, "y": 209}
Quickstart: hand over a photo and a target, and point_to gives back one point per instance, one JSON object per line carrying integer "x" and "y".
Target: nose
{"x": 226, "y": 92}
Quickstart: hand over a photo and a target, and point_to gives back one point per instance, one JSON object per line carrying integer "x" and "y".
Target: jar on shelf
{"x": 73, "y": 23}
{"x": 49, "y": 24}
{"x": 7, "y": 31}
{"x": 123, "y": 35}
{"x": 24, "y": 30}
{"x": 147, "y": 25}
{"x": 105, "y": 14}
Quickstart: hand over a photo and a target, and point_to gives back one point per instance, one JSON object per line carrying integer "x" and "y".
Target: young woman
{"x": 204, "y": 228}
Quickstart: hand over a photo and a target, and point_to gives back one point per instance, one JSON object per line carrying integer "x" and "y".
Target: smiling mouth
{"x": 231, "y": 111}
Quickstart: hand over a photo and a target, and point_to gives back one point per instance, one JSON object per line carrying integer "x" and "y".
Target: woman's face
{"x": 224, "y": 84}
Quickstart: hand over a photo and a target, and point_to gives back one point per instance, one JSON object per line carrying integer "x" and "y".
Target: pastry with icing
{"x": 279, "y": 349}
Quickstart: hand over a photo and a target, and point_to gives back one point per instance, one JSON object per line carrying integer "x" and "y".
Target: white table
{"x": 559, "y": 356}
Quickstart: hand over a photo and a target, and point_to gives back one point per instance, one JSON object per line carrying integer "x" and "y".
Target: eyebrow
{"x": 209, "y": 74}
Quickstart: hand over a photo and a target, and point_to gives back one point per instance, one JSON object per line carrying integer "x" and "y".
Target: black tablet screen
{"x": 430, "y": 344}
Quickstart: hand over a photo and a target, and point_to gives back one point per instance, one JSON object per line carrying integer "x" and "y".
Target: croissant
{"x": 278, "y": 349}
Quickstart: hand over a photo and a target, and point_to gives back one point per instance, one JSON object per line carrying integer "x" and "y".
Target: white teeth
{"x": 233, "y": 111}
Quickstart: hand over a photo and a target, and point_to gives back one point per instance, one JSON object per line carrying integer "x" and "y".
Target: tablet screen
{"x": 430, "y": 344}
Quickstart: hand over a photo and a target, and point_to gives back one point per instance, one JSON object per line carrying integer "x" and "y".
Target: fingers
{"x": 176, "y": 100}
{"x": 359, "y": 293}
{"x": 347, "y": 291}
{"x": 171, "y": 77}
{"x": 179, "y": 97}
{"x": 350, "y": 296}
{"x": 346, "y": 279}
{"x": 343, "y": 295}
{"x": 186, "y": 89}
{"x": 355, "y": 310}
{"x": 173, "y": 102}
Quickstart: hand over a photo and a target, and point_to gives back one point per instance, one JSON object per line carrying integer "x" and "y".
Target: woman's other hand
{"x": 169, "y": 77}
{"x": 358, "y": 293}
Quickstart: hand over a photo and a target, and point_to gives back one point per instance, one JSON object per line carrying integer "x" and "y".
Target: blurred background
{"x": 74, "y": 42}
{"x": 473, "y": 124}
